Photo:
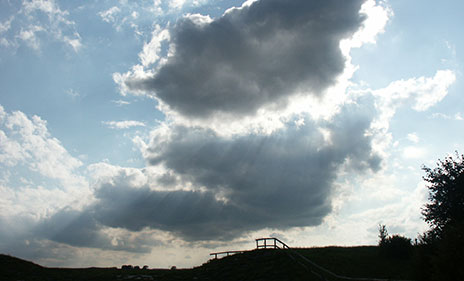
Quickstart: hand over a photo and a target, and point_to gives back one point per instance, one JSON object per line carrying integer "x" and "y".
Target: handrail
{"x": 273, "y": 245}
{"x": 226, "y": 253}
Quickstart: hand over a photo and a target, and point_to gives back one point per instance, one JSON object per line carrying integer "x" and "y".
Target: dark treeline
{"x": 437, "y": 254}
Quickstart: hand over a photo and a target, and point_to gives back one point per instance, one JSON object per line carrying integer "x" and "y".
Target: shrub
{"x": 396, "y": 246}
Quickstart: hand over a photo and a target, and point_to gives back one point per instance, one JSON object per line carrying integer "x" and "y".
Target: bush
{"x": 396, "y": 246}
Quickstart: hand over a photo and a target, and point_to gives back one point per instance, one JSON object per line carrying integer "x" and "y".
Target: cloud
{"x": 37, "y": 176}
{"x": 151, "y": 51}
{"x": 255, "y": 56}
{"x": 5, "y": 26}
{"x": 413, "y": 137}
{"x": 80, "y": 229}
{"x": 38, "y": 20}
{"x": 30, "y": 37}
{"x": 73, "y": 93}
{"x": 420, "y": 93}
{"x": 108, "y": 15}
{"x": 120, "y": 102}
{"x": 412, "y": 152}
{"x": 123, "y": 124}
{"x": 44, "y": 195}
{"x": 26, "y": 141}
{"x": 225, "y": 186}
{"x": 457, "y": 116}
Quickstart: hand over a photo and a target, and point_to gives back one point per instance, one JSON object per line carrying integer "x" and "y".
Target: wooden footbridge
{"x": 315, "y": 269}
{"x": 261, "y": 243}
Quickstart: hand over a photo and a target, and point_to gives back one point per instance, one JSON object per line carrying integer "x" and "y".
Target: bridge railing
{"x": 261, "y": 243}
{"x": 270, "y": 243}
{"x": 225, "y": 254}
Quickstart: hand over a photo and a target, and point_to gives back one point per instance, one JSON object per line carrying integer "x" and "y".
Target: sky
{"x": 157, "y": 132}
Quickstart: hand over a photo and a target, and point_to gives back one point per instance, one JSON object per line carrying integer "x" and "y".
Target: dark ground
{"x": 253, "y": 265}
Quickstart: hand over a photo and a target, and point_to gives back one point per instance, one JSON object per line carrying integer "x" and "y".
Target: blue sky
{"x": 155, "y": 132}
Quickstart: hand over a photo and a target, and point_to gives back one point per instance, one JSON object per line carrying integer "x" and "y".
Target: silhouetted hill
{"x": 252, "y": 265}
{"x": 13, "y": 268}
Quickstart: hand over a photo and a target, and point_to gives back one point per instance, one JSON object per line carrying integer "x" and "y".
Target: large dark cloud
{"x": 248, "y": 182}
{"x": 249, "y": 58}
{"x": 253, "y": 56}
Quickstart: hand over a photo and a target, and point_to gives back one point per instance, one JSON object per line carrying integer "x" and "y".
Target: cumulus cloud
{"x": 26, "y": 141}
{"x": 226, "y": 186}
{"x": 257, "y": 55}
{"x": 211, "y": 185}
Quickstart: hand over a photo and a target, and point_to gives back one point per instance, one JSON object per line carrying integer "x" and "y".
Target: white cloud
{"x": 75, "y": 42}
{"x": 41, "y": 176}
{"x": 433, "y": 90}
{"x": 33, "y": 146}
{"x": 123, "y": 124}
{"x": 108, "y": 15}
{"x": 423, "y": 91}
{"x": 5, "y": 26}
{"x": 378, "y": 14}
{"x": 176, "y": 4}
{"x": 413, "y": 152}
{"x": 151, "y": 51}
{"x": 30, "y": 20}
{"x": 413, "y": 137}
{"x": 46, "y": 6}
{"x": 457, "y": 116}
{"x": 30, "y": 37}
{"x": 5, "y": 43}
{"x": 120, "y": 102}
{"x": 72, "y": 93}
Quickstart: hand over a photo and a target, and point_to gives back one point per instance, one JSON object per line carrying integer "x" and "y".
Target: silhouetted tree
{"x": 441, "y": 251}
{"x": 383, "y": 234}
{"x": 446, "y": 195}
{"x": 394, "y": 246}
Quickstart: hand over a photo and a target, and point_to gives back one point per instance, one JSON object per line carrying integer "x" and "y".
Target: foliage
{"x": 449, "y": 254}
{"x": 395, "y": 246}
{"x": 440, "y": 254}
{"x": 446, "y": 194}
